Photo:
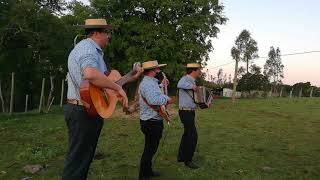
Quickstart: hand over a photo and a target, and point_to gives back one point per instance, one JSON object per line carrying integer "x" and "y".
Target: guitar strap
{"x": 151, "y": 106}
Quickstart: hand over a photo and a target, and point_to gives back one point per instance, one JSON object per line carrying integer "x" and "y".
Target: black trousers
{"x": 189, "y": 138}
{"x": 84, "y": 133}
{"x": 152, "y": 130}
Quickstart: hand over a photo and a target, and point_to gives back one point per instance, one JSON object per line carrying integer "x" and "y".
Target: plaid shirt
{"x": 150, "y": 90}
{"x": 185, "y": 85}
{"x": 85, "y": 54}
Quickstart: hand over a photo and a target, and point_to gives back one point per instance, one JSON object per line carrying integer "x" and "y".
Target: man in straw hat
{"x": 187, "y": 108}
{"x": 86, "y": 62}
{"x": 151, "y": 123}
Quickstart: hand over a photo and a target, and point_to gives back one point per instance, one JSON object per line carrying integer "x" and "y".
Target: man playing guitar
{"x": 86, "y": 62}
{"x": 151, "y": 122}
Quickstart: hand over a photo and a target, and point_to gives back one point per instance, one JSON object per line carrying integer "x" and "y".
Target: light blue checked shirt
{"x": 150, "y": 90}
{"x": 186, "y": 83}
{"x": 85, "y": 54}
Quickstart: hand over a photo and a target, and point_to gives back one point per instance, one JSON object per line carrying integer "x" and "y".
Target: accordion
{"x": 203, "y": 97}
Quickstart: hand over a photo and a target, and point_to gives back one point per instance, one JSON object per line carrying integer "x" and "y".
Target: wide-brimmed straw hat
{"x": 96, "y": 23}
{"x": 193, "y": 65}
{"x": 152, "y": 64}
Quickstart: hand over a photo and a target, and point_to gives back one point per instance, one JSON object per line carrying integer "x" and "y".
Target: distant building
{"x": 228, "y": 93}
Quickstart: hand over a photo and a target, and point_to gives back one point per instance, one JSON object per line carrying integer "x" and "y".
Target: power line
{"x": 290, "y": 54}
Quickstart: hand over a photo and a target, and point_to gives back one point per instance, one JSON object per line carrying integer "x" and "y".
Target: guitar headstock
{"x": 137, "y": 70}
{"x": 164, "y": 75}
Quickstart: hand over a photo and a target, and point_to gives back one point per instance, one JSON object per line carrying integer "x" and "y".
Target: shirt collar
{"x": 152, "y": 79}
{"x": 95, "y": 44}
{"x": 192, "y": 78}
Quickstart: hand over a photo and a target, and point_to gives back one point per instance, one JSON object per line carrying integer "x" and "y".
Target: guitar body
{"x": 164, "y": 113}
{"x": 99, "y": 102}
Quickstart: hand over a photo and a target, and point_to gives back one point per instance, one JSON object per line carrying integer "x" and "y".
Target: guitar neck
{"x": 125, "y": 79}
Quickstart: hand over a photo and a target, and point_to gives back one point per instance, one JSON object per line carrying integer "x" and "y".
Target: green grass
{"x": 234, "y": 143}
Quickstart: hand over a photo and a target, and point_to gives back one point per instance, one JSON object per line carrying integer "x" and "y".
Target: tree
{"x": 235, "y": 53}
{"x": 255, "y": 69}
{"x": 247, "y": 46}
{"x": 220, "y": 76}
{"x": 229, "y": 79}
{"x": 241, "y": 72}
{"x": 273, "y": 67}
{"x": 224, "y": 79}
{"x": 173, "y": 32}
{"x": 245, "y": 50}
{"x": 250, "y": 82}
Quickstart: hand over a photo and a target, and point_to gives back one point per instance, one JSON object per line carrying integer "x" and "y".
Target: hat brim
{"x": 96, "y": 26}
{"x": 153, "y": 67}
{"x": 193, "y": 67}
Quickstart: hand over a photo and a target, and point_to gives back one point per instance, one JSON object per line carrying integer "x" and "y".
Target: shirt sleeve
{"x": 88, "y": 60}
{"x": 185, "y": 84}
{"x": 154, "y": 96}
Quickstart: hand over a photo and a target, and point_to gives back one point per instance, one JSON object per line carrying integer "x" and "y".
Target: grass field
{"x": 256, "y": 139}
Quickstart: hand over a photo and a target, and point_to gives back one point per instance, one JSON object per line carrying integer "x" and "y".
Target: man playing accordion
{"x": 187, "y": 106}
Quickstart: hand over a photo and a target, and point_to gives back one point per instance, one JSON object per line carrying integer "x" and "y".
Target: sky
{"x": 291, "y": 25}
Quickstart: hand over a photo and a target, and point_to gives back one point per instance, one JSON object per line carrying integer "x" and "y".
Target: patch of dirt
{"x": 173, "y": 111}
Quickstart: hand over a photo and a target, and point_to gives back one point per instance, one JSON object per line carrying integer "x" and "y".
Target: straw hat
{"x": 193, "y": 65}
{"x": 152, "y": 65}
{"x": 96, "y": 23}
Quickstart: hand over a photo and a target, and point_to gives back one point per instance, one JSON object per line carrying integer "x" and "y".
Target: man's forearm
{"x": 99, "y": 79}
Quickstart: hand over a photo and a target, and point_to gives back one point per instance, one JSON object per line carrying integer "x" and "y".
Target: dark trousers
{"x": 152, "y": 130}
{"x": 84, "y": 133}
{"x": 189, "y": 138}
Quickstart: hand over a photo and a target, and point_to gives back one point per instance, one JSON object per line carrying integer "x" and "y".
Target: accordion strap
{"x": 191, "y": 96}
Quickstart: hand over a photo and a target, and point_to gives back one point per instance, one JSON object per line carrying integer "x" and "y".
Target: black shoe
{"x": 191, "y": 165}
{"x": 155, "y": 174}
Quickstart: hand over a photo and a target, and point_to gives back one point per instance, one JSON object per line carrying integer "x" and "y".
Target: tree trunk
{"x": 311, "y": 93}
{"x": 300, "y": 93}
{"x": 247, "y": 66}
{"x": 1, "y": 98}
{"x": 51, "y": 90}
{"x": 234, "y": 91}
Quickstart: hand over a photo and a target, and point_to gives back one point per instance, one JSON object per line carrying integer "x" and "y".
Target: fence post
{"x": 41, "y": 96}
{"x": 12, "y": 93}
{"x": 62, "y": 92}
{"x": 26, "y": 105}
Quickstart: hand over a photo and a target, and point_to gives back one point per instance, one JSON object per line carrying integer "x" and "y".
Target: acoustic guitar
{"x": 101, "y": 101}
{"x": 163, "y": 112}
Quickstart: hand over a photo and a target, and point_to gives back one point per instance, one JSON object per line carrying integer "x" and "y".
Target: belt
{"x": 186, "y": 109}
{"x": 75, "y": 102}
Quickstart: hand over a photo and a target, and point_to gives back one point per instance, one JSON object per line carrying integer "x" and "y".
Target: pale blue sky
{"x": 292, "y": 25}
